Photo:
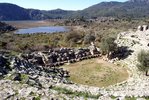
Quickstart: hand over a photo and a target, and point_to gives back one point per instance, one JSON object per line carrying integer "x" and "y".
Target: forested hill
{"x": 130, "y": 9}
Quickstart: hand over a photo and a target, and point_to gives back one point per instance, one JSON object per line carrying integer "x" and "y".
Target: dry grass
{"x": 96, "y": 72}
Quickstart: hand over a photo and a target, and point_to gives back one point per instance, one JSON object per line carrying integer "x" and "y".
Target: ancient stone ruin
{"x": 93, "y": 49}
{"x": 143, "y": 28}
{"x": 57, "y": 57}
{"x": 45, "y": 63}
{"x": 131, "y": 38}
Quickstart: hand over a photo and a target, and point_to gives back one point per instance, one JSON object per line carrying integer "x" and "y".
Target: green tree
{"x": 143, "y": 59}
{"x": 108, "y": 46}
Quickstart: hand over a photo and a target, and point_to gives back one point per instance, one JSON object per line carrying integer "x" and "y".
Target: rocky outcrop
{"x": 4, "y": 65}
{"x": 6, "y": 28}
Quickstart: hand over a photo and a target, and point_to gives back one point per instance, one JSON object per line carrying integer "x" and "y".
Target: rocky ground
{"x": 137, "y": 84}
{"x": 20, "y": 79}
{"x": 35, "y": 82}
{"x": 38, "y": 76}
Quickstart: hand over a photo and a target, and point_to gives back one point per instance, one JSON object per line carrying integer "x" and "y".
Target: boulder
{"x": 4, "y": 65}
{"x": 16, "y": 77}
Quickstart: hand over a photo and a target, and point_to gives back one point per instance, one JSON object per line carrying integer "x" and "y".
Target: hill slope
{"x": 14, "y": 12}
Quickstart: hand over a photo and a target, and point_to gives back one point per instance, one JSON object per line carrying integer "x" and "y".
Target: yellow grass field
{"x": 96, "y": 72}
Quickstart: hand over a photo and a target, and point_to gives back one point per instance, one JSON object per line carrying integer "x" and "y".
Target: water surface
{"x": 46, "y": 29}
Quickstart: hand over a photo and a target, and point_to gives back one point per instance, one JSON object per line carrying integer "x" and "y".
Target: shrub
{"x": 143, "y": 59}
{"x": 72, "y": 38}
{"x": 37, "y": 98}
{"x": 89, "y": 38}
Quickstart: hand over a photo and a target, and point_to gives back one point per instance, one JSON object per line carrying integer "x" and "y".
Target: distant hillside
{"x": 14, "y": 12}
{"x": 130, "y": 9}
{"x": 51, "y": 14}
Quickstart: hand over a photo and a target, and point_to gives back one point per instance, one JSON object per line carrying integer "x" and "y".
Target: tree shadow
{"x": 122, "y": 53}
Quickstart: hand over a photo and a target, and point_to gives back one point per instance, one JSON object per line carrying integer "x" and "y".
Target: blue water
{"x": 47, "y": 29}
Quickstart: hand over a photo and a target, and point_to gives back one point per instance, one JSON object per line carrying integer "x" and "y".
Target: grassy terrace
{"x": 96, "y": 72}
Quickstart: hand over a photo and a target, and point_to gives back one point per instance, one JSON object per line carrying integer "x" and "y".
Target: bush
{"x": 72, "y": 37}
{"x": 89, "y": 38}
{"x": 143, "y": 59}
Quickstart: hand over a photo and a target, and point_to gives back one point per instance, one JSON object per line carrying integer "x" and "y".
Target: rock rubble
{"x": 38, "y": 72}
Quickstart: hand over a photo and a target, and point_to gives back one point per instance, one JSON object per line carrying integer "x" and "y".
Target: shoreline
{"x": 30, "y": 23}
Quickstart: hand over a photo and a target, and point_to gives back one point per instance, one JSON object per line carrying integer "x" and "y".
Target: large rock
{"x": 16, "y": 77}
{"x": 4, "y": 65}
{"x": 6, "y": 28}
